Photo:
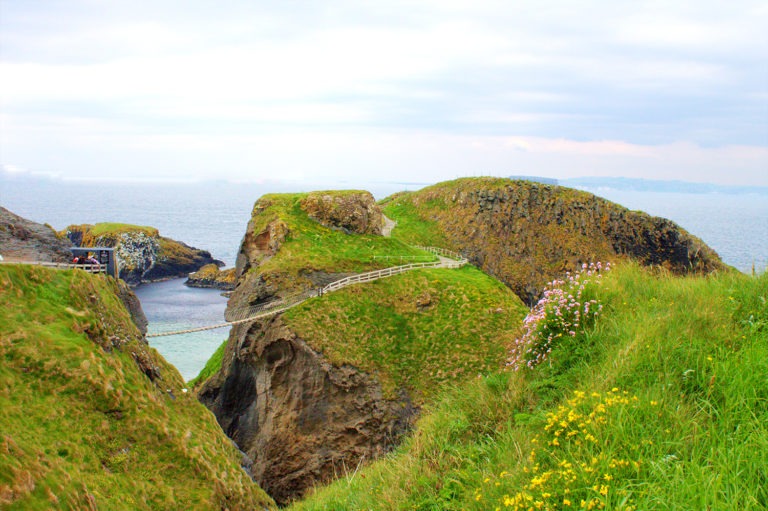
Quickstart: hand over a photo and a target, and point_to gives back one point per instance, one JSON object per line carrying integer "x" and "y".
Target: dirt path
{"x": 389, "y": 224}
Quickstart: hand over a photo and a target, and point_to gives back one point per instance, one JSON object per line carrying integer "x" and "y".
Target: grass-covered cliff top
{"x": 310, "y": 246}
{"x": 416, "y": 331}
{"x": 661, "y": 404}
{"x": 83, "y": 424}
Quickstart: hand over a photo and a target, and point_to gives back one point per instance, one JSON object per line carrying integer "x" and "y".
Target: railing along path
{"x": 446, "y": 259}
{"x": 90, "y": 268}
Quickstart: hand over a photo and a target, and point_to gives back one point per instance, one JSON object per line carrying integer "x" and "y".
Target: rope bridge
{"x": 446, "y": 259}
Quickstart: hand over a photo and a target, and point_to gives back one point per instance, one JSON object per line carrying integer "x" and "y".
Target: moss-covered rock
{"x": 211, "y": 276}
{"x": 350, "y": 211}
{"x": 143, "y": 255}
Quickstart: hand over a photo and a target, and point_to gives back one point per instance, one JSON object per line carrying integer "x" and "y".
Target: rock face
{"x": 526, "y": 233}
{"x": 352, "y": 212}
{"x": 302, "y": 420}
{"x": 24, "y": 240}
{"x": 133, "y": 306}
{"x": 144, "y": 255}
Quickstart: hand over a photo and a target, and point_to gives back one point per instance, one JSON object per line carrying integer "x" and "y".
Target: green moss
{"x": 83, "y": 426}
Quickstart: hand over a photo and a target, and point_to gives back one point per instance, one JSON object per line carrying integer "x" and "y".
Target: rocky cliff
{"x": 144, "y": 255}
{"x": 24, "y": 240}
{"x": 303, "y": 420}
{"x": 527, "y": 233}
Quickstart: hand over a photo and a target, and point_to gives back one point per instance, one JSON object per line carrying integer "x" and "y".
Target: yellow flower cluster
{"x": 571, "y": 465}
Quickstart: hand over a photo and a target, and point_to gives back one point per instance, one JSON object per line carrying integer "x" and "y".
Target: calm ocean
{"x": 213, "y": 216}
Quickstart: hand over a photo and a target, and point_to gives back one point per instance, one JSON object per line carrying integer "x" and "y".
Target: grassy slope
{"x": 411, "y": 226}
{"x": 82, "y": 427}
{"x": 311, "y": 246}
{"x": 417, "y": 330}
{"x": 662, "y": 405}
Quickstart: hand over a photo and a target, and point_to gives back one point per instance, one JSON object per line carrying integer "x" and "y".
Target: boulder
{"x": 353, "y": 212}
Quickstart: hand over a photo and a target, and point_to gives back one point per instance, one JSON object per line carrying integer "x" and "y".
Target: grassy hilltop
{"x": 92, "y": 417}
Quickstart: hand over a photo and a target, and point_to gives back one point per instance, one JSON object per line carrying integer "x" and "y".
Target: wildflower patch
{"x": 575, "y": 461}
{"x": 566, "y": 309}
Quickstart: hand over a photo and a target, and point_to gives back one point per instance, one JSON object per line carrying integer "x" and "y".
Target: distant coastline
{"x": 656, "y": 185}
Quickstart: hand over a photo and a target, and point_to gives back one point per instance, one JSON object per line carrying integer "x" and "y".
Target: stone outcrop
{"x": 352, "y": 212}
{"x": 527, "y": 233}
{"x": 211, "y": 276}
{"x": 24, "y": 240}
{"x": 143, "y": 254}
{"x": 302, "y": 420}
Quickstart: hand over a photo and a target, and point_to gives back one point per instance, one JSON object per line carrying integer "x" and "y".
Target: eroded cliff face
{"x": 302, "y": 420}
{"x": 527, "y": 233}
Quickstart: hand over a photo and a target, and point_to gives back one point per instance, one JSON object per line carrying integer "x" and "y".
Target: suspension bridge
{"x": 445, "y": 259}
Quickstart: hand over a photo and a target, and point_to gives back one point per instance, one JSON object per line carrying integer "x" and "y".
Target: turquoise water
{"x": 214, "y": 216}
{"x": 172, "y": 306}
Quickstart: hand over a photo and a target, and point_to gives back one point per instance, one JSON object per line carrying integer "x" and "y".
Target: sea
{"x": 213, "y": 216}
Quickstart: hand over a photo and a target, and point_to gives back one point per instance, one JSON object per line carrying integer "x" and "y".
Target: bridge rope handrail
{"x": 448, "y": 259}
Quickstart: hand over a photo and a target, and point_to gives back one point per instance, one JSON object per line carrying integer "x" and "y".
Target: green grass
{"x": 311, "y": 246}
{"x": 111, "y": 229}
{"x": 662, "y": 405}
{"x": 415, "y": 331}
{"x": 412, "y": 227}
{"x": 82, "y": 426}
{"x": 114, "y": 228}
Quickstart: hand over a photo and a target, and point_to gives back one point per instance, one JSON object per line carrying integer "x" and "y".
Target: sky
{"x": 393, "y": 91}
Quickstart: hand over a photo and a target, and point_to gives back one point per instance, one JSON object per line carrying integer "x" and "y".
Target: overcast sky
{"x": 417, "y": 91}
